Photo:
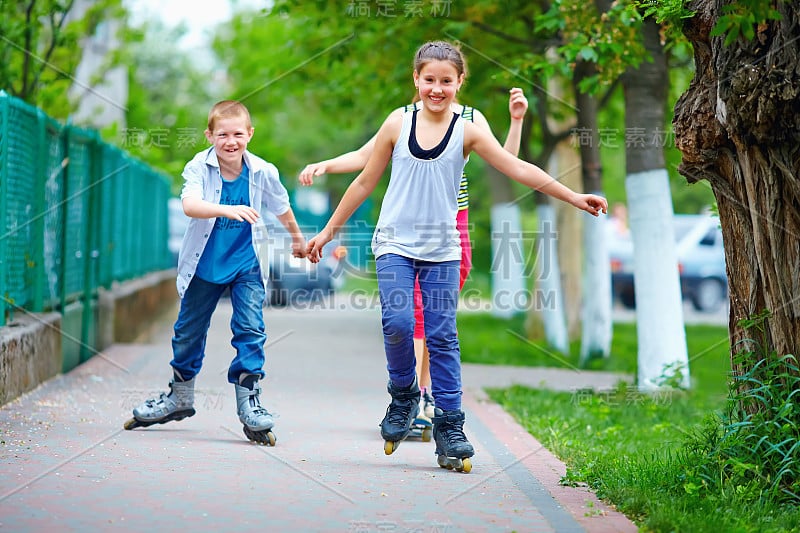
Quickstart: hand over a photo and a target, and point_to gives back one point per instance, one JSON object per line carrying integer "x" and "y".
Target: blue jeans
{"x": 438, "y": 282}
{"x": 247, "y": 325}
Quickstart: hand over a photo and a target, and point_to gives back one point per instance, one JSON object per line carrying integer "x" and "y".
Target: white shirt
{"x": 202, "y": 180}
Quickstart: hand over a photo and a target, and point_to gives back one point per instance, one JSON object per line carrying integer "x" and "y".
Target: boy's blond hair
{"x": 228, "y": 109}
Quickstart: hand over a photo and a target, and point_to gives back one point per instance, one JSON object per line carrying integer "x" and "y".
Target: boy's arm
{"x": 361, "y": 187}
{"x": 486, "y": 146}
{"x": 298, "y": 240}
{"x": 198, "y": 208}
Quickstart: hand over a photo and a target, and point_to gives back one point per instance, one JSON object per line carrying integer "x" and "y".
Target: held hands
{"x": 242, "y": 213}
{"x": 315, "y": 245}
{"x": 299, "y": 247}
{"x": 313, "y": 169}
{"x": 591, "y": 203}
{"x": 517, "y": 103}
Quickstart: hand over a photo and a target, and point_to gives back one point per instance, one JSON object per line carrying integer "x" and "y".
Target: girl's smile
{"x": 437, "y": 82}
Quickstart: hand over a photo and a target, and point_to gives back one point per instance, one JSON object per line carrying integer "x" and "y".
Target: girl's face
{"x": 438, "y": 82}
{"x": 230, "y": 138}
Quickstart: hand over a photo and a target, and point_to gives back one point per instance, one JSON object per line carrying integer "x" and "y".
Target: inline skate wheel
{"x": 454, "y": 463}
{"x": 132, "y": 424}
{"x": 265, "y": 437}
{"x": 426, "y": 435}
{"x": 389, "y": 447}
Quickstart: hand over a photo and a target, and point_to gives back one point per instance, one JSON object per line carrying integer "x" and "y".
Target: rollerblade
{"x": 422, "y": 427}
{"x": 453, "y": 450}
{"x": 256, "y": 421}
{"x": 427, "y": 404}
{"x": 400, "y": 414}
{"x": 176, "y": 405}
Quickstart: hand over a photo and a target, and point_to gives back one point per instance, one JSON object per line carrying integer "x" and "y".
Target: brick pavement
{"x": 67, "y": 464}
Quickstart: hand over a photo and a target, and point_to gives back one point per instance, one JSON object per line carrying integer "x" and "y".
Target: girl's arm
{"x": 349, "y": 162}
{"x": 486, "y": 146}
{"x": 361, "y": 187}
{"x": 517, "y": 106}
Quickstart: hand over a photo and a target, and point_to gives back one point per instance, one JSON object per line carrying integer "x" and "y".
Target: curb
{"x": 594, "y": 515}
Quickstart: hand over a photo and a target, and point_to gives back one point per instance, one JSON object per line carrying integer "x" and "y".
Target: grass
{"x": 634, "y": 450}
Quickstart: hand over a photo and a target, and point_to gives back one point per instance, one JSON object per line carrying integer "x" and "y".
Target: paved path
{"x": 66, "y": 463}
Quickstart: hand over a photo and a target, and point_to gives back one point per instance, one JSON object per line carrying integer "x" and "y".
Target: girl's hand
{"x": 314, "y": 169}
{"x": 591, "y": 203}
{"x": 315, "y": 245}
{"x": 517, "y": 103}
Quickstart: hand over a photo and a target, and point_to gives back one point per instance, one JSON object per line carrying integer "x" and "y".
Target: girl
{"x": 416, "y": 238}
{"x": 357, "y": 159}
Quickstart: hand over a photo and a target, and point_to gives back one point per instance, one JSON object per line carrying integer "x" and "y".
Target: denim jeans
{"x": 438, "y": 282}
{"x": 247, "y": 325}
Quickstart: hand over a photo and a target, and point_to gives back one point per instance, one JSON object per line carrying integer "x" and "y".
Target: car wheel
{"x": 709, "y": 295}
{"x": 628, "y": 299}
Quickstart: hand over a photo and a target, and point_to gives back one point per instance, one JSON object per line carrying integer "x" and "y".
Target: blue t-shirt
{"x": 229, "y": 250}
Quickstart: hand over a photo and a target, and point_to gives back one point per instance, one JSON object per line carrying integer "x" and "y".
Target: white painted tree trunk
{"x": 596, "y": 289}
{"x": 548, "y": 296}
{"x": 659, "y": 307}
{"x": 508, "y": 261}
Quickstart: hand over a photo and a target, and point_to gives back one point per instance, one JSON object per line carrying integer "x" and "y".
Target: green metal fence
{"x": 77, "y": 214}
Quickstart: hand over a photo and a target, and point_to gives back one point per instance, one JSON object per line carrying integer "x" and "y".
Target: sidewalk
{"x": 67, "y": 464}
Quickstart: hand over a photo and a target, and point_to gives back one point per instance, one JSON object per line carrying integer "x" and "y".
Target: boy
{"x": 225, "y": 187}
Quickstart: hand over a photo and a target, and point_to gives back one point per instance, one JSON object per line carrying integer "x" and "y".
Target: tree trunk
{"x": 662, "y": 356}
{"x": 569, "y": 221}
{"x": 596, "y": 301}
{"x": 547, "y": 295}
{"x": 738, "y": 126}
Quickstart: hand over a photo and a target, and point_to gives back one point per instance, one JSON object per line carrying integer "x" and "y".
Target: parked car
{"x": 293, "y": 280}
{"x": 701, "y": 263}
{"x": 290, "y": 279}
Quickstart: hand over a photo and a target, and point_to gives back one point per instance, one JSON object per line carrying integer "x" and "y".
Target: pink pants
{"x": 462, "y": 223}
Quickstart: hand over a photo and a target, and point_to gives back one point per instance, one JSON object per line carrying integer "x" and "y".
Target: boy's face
{"x": 230, "y": 138}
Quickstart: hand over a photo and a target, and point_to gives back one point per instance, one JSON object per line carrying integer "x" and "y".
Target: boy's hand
{"x": 591, "y": 203}
{"x": 240, "y": 213}
{"x": 314, "y": 169}
{"x": 299, "y": 247}
{"x": 315, "y": 245}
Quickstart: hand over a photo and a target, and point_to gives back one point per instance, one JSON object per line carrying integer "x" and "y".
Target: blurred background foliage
{"x": 320, "y": 77}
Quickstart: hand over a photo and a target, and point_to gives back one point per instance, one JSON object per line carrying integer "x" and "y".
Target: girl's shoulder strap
{"x": 409, "y": 107}
{"x": 468, "y": 113}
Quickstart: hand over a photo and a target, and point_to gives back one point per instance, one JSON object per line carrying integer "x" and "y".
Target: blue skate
{"x": 400, "y": 414}
{"x": 453, "y": 450}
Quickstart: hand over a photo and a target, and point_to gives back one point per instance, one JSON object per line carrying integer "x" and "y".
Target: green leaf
{"x": 588, "y": 53}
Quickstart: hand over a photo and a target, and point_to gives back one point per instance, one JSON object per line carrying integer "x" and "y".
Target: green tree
{"x": 169, "y": 96}
{"x": 737, "y": 127}
{"x": 38, "y": 39}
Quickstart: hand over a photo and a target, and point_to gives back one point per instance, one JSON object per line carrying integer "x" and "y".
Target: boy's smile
{"x": 230, "y": 138}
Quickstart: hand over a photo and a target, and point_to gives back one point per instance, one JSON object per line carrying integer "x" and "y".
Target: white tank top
{"x": 418, "y": 213}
